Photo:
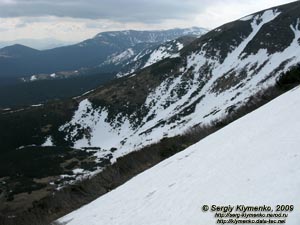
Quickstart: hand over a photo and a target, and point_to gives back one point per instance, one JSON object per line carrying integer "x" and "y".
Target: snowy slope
{"x": 163, "y": 52}
{"x": 213, "y": 78}
{"x": 253, "y": 161}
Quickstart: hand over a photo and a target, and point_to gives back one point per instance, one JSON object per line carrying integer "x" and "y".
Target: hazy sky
{"x": 75, "y": 20}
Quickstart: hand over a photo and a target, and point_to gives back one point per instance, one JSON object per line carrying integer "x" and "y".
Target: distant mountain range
{"x": 22, "y": 61}
{"x": 127, "y": 52}
{"x": 39, "y": 44}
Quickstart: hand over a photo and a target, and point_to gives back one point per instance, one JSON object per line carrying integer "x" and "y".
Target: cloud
{"x": 146, "y": 11}
{"x": 77, "y": 20}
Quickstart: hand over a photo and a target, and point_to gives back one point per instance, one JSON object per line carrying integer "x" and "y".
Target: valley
{"x": 140, "y": 100}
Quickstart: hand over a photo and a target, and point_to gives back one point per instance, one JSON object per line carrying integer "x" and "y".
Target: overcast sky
{"x": 75, "y": 20}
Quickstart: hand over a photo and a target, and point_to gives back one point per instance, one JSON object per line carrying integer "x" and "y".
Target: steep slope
{"x": 255, "y": 160}
{"x": 88, "y": 53}
{"x": 213, "y": 76}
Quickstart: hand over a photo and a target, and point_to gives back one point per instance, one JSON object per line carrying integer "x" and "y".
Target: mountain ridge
{"x": 95, "y": 50}
{"x": 183, "y": 92}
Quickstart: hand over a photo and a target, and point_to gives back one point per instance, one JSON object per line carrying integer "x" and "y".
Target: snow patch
{"x": 157, "y": 55}
{"x": 179, "y": 46}
{"x": 246, "y": 18}
{"x": 122, "y": 56}
{"x": 33, "y": 78}
{"x": 48, "y": 142}
{"x": 37, "y": 105}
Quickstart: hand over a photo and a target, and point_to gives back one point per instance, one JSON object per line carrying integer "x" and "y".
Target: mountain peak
{"x": 17, "y": 46}
{"x": 17, "y": 50}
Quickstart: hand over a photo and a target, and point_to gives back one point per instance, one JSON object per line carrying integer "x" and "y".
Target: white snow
{"x": 195, "y": 31}
{"x": 179, "y": 46}
{"x": 78, "y": 171}
{"x": 164, "y": 51}
{"x": 53, "y": 75}
{"x": 22, "y": 147}
{"x": 149, "y": 56}
{"x": 37, "y": 105}
{"x": 253, "y": 161}
{"x": 85, "y": 93}
{"x": 246, "y": 18}
{"x": 157, "y": 55}
{"x": 33, "y": 78}
{"x": 100, "y": 130}
{"x": 48, "y": 142}
{"x": 121, "y": 56}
